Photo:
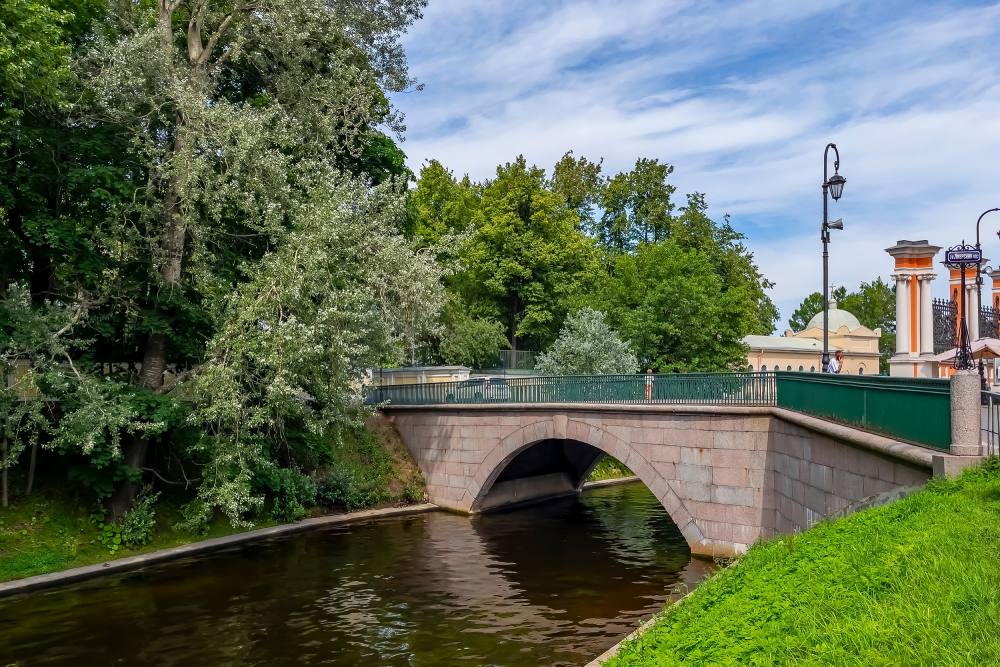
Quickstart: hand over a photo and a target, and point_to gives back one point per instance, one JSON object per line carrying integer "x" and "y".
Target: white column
{"x": 926, "y": 315}
{"x": 973, "y": 313}
{"x": 902, "y": 314}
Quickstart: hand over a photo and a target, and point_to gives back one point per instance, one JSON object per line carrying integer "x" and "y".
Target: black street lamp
{"x": 979, "y": 282}
{"x": 834, "y": 187}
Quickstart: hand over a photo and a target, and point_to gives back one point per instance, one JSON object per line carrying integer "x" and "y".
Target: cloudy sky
{"x": 741, "y": 97}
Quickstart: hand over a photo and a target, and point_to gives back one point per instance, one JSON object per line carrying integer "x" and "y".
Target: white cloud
{"x": 741, "y": 98}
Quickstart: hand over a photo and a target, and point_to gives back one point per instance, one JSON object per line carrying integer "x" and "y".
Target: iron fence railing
{"x": 988, "y": 322}
{"x": 991, "y": 423}
{"x": 910, "y": 409}
{"x": 675, "y": 388}
{"x": 945, "y": 324}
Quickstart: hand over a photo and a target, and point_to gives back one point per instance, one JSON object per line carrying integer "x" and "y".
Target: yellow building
{"x": 803, "y": 350}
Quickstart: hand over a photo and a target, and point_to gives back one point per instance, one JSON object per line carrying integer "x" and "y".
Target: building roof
{"x": 786, "y": 343}
{"x": 838, "y": 318}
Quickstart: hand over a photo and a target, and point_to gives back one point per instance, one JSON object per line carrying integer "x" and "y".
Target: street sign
{"x": 963, "y": 256}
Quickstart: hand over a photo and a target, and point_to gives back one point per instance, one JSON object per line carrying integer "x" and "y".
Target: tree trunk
{"x": 3, "y": 474}
{"x": 31, "y": 469}
{"x": 154, "y": 362}
{"x": 513, "y": 321}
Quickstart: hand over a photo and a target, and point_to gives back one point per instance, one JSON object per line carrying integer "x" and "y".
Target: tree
{"x": 202, "y": 141}
{"x": 525, "y": 261}
{"x": 581, "y": 184}
{"x": 587, "y": 346}
{"x": 439, "y": 205}
{"x": 239, "y": 111}
{"x": 685, "y": 303}
{"x": 637, "y": 207}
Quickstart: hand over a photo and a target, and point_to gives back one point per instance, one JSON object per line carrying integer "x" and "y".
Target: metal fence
{"x": 911, "y": 409}
{"x": 671, "y": 388}
{"x": 945, "y": 325}
{"x": 991, "y": 423}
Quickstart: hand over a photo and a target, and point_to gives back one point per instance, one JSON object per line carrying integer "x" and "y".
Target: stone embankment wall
{"x": 726, "y": 475}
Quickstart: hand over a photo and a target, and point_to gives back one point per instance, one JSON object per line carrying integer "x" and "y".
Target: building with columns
{"x": 803, "y": 350}
{"x": 914, "y": 276}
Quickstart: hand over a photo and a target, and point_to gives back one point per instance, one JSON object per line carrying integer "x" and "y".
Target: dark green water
{"x": 553, "y": 584}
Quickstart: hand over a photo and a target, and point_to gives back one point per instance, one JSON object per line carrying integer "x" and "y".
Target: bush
{"x": 138, "y": 524}
{"x": 350, "y": 489}
{"x": 288, "y": 492}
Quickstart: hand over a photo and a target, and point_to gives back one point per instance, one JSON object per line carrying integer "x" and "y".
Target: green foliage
{"x": 358, "y": 475}
{"x": 439, "y": 205}
{"x": 137, "y": 525}
{"x": 134, "y": 530}
{"x": 289, "y": 492}
{"x": 637, "y": 207}
{"x": 686, "y": 303}
{"x": 609, "y": 468}
{"x": 525, "y": 262}
{"x": 470, "y": 341}
{"x": 587, "y": 346}
{"x": 904, "y": 584}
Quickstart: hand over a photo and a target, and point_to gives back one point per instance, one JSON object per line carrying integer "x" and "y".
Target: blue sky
{"x": 741, "y": 97}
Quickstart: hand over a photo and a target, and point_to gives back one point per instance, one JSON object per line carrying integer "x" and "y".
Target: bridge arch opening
{"x": 555, "y": 456}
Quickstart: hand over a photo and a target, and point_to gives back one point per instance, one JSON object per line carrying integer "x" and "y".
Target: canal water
{"x": 553, "y": 584}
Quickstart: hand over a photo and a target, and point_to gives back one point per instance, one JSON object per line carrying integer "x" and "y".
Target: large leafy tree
{"x": 686, "y": 302}
{"x": 588, "y": 346}
{"x": 204, "y": 139}
{"x": 637, "y": 207}
{"x": 525, "y": 263}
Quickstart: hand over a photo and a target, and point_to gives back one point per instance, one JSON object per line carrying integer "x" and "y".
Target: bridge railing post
{"x": 966, "y": 414}
{"x": 966, "y": 425}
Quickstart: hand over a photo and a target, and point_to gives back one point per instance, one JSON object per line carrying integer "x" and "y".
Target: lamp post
{"x": 832, "y": 187}
{"x": 979, "y": 283}
{"x": 979, "y": 267}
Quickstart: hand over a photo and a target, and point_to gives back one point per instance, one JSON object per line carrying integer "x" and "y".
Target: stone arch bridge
{"x": 727, "y": 474}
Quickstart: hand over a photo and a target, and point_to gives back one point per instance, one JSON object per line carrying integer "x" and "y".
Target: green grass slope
{"x": 916, "y": 582}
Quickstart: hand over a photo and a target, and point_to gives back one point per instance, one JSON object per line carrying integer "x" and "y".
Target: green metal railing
{"x": 673, "y": 388}
{"x": 915, "y": 410}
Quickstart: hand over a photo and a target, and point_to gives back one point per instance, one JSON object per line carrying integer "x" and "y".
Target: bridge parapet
{"x": 909, "y": 409}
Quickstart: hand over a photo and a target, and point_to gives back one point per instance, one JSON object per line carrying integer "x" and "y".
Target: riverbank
{"x": 54, "y": 528}
{"x": 914, "y": 582}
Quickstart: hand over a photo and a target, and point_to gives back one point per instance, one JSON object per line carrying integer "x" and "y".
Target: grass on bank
{"x": 52, "y": 529}
{"x": 916, "y": 582}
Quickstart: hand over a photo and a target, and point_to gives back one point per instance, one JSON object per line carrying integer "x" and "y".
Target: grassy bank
{"x": 609, "y": 468}
{"x": 916, "y": 582}
{"x": 53, "y": 529}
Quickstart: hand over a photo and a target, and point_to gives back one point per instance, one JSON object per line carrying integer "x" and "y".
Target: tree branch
{"x": 207, "y": 52}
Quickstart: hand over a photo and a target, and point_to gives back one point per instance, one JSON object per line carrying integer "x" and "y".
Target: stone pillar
{"x": 926, "y": 315}
{"x": 902, "y": 314}
{"x": 914, "y": 260}
{"x": 966, "y": 416}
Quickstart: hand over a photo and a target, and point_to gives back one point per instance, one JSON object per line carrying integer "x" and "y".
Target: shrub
{"x": 289, "y": 492}
{"x": 138, "y": 524}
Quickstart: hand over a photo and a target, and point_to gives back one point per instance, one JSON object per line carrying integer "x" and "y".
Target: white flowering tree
{"x": 587, "y": 346}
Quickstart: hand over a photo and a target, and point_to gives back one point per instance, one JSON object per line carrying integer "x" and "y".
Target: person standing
{"x": 649, "y": 384}
{"x": 837, "y": 362}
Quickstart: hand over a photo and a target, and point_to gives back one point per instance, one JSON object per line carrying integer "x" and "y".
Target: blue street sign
{"x": 972, "y": 256}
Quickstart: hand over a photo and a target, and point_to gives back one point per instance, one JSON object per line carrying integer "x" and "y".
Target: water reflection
{"x": 553, "y": 584}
